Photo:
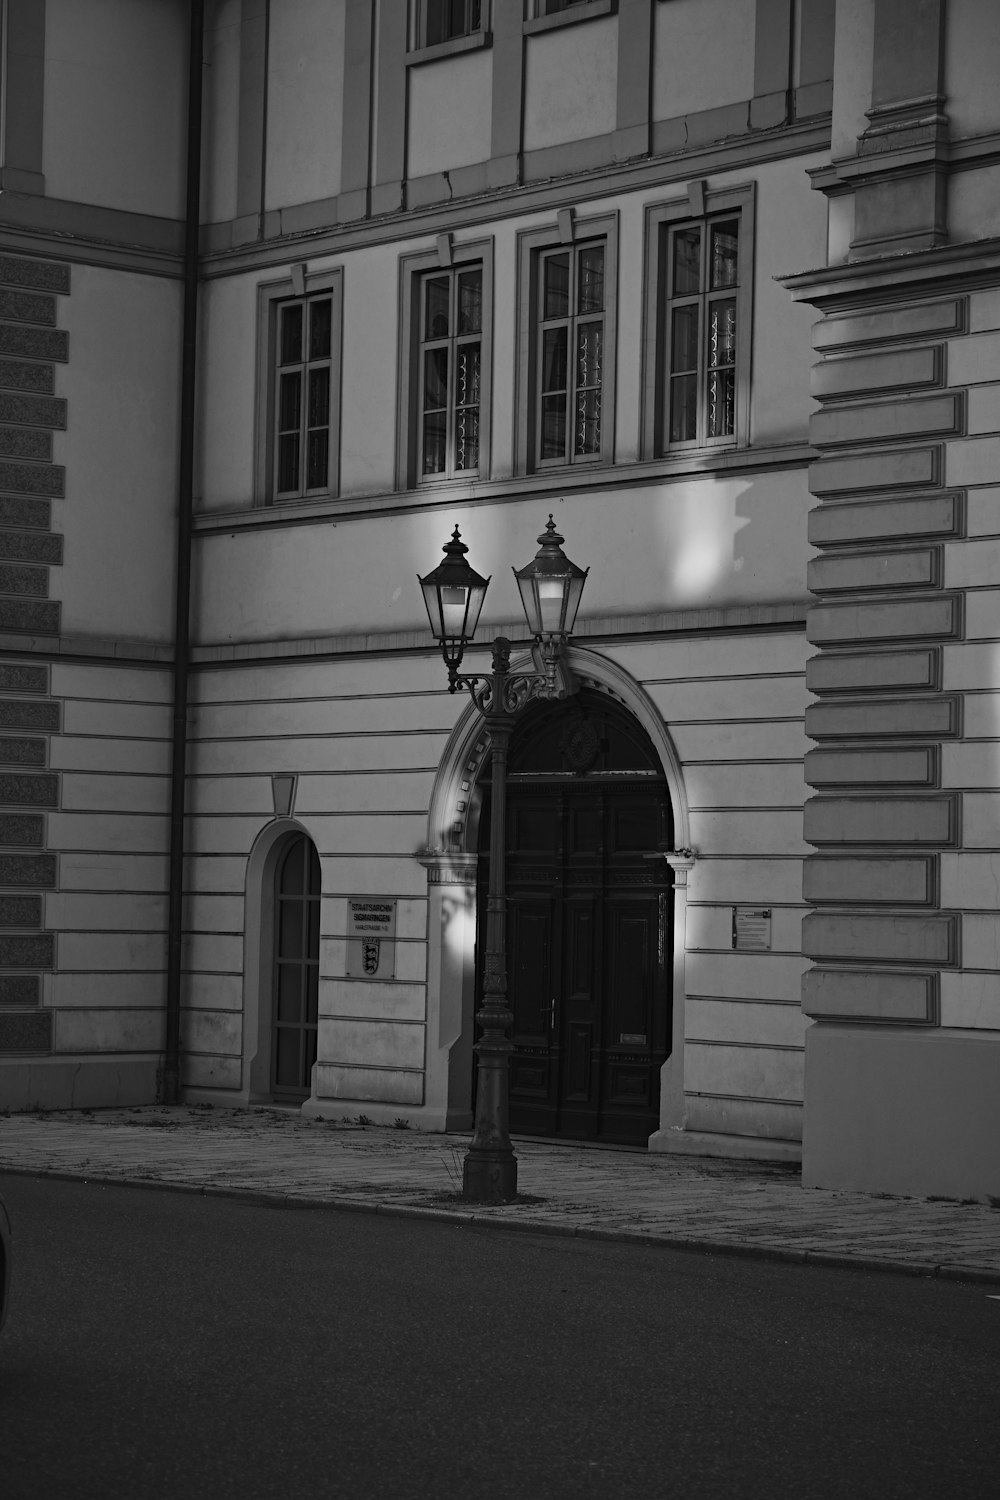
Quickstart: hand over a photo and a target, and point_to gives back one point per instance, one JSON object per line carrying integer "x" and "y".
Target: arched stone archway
{"x": 451, "y": 861}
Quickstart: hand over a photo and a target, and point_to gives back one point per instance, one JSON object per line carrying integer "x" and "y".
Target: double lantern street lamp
{"x": 550, "y": 588}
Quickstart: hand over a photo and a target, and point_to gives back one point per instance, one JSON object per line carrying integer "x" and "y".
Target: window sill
{"x": 589, "y": 12}
{"x": 450, "y": 48}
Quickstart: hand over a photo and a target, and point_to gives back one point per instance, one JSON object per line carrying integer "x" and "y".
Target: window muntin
{"x": 450, "y": 371}
{"x": 570, "y": 353}
{"x": 701, "y": 331}
{"x": 444, "y": 20}
{"x": 303, "y": 396}
{"x": 553, "y": 7}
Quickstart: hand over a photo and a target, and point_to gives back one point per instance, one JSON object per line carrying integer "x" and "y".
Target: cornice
{"x": 899, "y": 277}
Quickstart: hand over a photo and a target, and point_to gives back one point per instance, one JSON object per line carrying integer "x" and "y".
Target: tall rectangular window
{"x": 443, "y": 20}
{"x": 696, "y": 379}
{"x": 298, "y": 371}
{"x": 703, "y": 288}
{"x": 302, "y": 406}
{"x": 450, "y": 377}
{"x": 570, "y": 353}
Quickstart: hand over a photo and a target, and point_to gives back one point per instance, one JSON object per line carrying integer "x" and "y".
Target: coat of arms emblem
{"x": 369, "y": 954}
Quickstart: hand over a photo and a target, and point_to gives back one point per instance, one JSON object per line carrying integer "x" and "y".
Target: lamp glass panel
{"x": 550, "y": 604}
{"x": 454, "y": 609}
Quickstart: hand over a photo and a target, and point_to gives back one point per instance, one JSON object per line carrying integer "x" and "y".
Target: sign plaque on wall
{"x": 752, "y": 928}
{"x": 371, "y": 937}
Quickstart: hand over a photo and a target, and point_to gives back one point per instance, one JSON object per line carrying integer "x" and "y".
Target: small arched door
{"x": 589, "y": 919}
{"x": 296, "y": 969}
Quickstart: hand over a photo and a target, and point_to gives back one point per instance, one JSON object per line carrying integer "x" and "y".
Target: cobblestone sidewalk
{"x": 738, "y": 1207}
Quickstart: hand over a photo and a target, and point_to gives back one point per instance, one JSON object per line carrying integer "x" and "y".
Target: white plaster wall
{"x": 120, "y": 452}
{"x": 226, "y": 392}
{"x": 853, "y": 49}
{"x": 221, "y": 110}
{"x": 115, "y": 115}
{"x": 703, "y": 55}
{"x": 791, "y": 236}
{"x": 971, "y": 58}
{"x": 570, "y": 84}
{"x": 434, "y": 141}
{"x": 304, "y": 101}
{"x": 368, "y": 401}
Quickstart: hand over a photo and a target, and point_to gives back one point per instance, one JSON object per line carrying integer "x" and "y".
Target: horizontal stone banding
{"x": 879, "y": 937}
{"x": 920, "y": 568}
{"x": 28, "y": 1031}
{"x": 834, "y": 525}
{"x": 896, "y": 766}
{"x": 876, "y": 671}
{"x": 847, "y": 994}
{"x": 881, "y": 880}
{"x": 900, "y": 718}
{"x": 890, "y": 326}
{"x": 886, "y": 421}
{"x": 889, "y": 620}
{"x": 901, "y": 469}
{"x": 859, "y": 820}
{"x": 859, "y": 374}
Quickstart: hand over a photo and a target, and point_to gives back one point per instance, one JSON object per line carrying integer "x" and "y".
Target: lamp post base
{"x": 489, "y": 1176}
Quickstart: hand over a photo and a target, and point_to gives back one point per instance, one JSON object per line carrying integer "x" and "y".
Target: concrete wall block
{"x": 202, "y": 1072}
{"x": 896, "y": 718}
{"x": 847, "y": 994}
{"x": 22, "y": 991}
{"x": 363, "y": 1085}
{"x": 888, "y": 938}
{"x": 764, "y": 1118}
{"x": 736, "y": 1021}
{"x": 981, "y": 614}
{"x": 982, "y": 820}
{"x": 833, "y": 525}
{"x": 857, "y": 375}
{"x": 24, "y": 951}
{"x": 887, "y": 421}
{"x": 745, "y": 976}
{"x": 217, "y": 1033}
{"x": 874, "y": 671}
{"x": 891, "y": 326}
{"x": 34, "y": 343}
{"x": 971, "y": 765}
{"x": 972, "y": 565}
{"x": 931, "y": 820}
{"x": 43, "y": 275}
{"x": 754, "y": 1072}
{"x": 746, "y": 880}
{"x": 904, "y": 469}
{"x": 973, "y": 361}
{"x": 882, "y": 880}
{"x": 119, "y": 1030}
{"x": 981, "y": 942}
{"x": 881, "y": 570}
{"x": 970, "y": 1001}
{"x": 836, "y": 624}
{"x": 27, "y": 870}
{"x": 379, "y": 1044}
{"x": 902, "y": 767}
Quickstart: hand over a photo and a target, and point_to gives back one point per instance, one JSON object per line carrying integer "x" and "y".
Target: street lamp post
{"x": 550, "y": 588}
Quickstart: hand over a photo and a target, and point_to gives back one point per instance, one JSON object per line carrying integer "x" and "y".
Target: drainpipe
{"x": 182, "y": 625}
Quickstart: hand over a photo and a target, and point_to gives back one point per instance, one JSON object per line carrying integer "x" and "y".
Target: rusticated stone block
{"x": 902, "y": 718}
{"x": 885, "y": 520}
{"x": 28, "y": 790}
{"x": 27, "y": 307}
{"x": 23, "y": 375}
{"x": 874, "y": 671}
{"x": 881, "y": 880}
{"x": 34, "y": 951}
{"x": 27, "y": 1031}
{"x": 28, "y": 869}
{"x": 900, "y": 767}
{"x": 844, "y": 624}
{"x": 18, "y": 510}
{"x": 886, "y": 421}
{"x": 25, "y": 442}
{"x": 20, "y": 911}
{"x": 26, "y": 829}
{"x": 929, "y": 820}
{"x": 29, "y": 616}
{"x": 35, "y": 411}
{"x": 876, "y": 937}
{"x": 17, "y": 752}
{"x": 890, "y": 327}
{"x": 31, "y": 546}
{"x": 903, "y": 469}
{"x": 857, "y": 375}
{"x": 24, "y": 580}
{"x": 34, "y": 343}
{"x": 20, "y": 989}
{"x": 44, "y": 275}
{"x": 875, "y": 570}
{"x": 16, "y": 714}
{"x": 33, "y": 479}
{"x": 850, "y": 995}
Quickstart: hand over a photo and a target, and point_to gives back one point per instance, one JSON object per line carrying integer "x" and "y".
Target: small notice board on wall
{"x": 752, "y": 928}
{"x": 371, "y": 937}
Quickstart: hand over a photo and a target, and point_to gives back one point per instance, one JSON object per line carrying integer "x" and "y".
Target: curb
{"x": 462, "y": 1218}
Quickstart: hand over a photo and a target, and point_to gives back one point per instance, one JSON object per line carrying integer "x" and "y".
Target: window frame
{"x": 414, "y": 269}
{"x": 271, "y": 297}
{"x": 422, "y": 50}
{"x": 532, "y": 247}
{"x": 538, "y": 19}
{"x": 662, "y": 218}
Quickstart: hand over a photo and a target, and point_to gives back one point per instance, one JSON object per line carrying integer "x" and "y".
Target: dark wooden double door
{"x": 589, "y": 944}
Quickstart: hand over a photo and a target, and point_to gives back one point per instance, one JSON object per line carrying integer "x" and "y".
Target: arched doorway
{"x": 589, "y": 921}
{"x": 295, "y": 972}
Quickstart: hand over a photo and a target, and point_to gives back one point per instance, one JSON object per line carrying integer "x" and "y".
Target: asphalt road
{"x": 166, "y": 1345}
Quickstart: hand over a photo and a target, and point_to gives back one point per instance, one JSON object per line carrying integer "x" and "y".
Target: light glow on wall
{"x": 700, "y": 528}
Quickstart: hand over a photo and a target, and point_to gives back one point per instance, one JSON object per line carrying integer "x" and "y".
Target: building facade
{"x": 716, "y": 283}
